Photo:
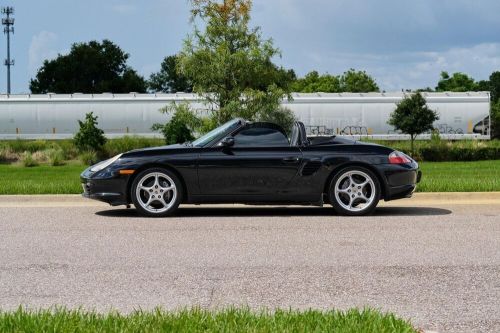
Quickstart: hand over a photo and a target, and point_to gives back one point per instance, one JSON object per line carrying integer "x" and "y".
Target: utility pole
{"x": 9, "y": 27}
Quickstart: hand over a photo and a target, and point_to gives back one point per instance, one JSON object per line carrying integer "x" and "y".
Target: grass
{"x": 196, "y": 320}
{"x": 479, "y": 176}
{"x": 43, "y": 179}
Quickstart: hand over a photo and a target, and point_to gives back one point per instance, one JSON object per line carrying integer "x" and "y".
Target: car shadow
{"x": 277, "y": 211}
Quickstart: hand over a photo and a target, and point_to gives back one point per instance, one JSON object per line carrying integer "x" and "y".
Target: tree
{"x": 230, "y": 64}
{"x": 313, "y": 82}
{"x": 181, "y": 126}
{"x": 91, "y": 67}
{"x": 458, "y": 82}
{"x": 494, "y": 86}
{"x": 412, "y": 116}
{"x": 357, "y": 81}
{"x": 169, "y": 79}
{"x": 495, "y": 119}
{"x": 89, "y": 137}
{"x": 350, "y": 81}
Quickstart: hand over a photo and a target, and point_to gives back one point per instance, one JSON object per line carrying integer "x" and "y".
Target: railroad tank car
{"x": 54, "y": 116}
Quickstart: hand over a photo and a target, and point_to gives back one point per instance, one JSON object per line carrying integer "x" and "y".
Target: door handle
{"x": 291, "y": 159}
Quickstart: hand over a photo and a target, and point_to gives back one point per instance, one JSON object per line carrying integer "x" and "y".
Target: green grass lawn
{"x": 476, "y": 176}
{"x": 230, "y": 320}
{"x": 479, "y": 176}
{"x": 15, "y": 179}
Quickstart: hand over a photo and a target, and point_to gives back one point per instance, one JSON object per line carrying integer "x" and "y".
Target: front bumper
{"x": 110, "y": 187}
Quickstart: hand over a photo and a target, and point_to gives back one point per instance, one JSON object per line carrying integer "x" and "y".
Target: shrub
{"x": 89, "y": 137}
{"x": 56, "y": 157}
{"x": 88, "y": 157}
{"x": 3, "y": 155}
{"x": 180, "y": 127}
{"x": 127, "y": 143}
{"x": 28, "y": 160}
{"x": 68, "y": 149}
{"x": 20, "y": 146}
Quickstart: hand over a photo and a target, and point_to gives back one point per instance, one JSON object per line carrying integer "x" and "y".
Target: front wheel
{"x": 354, "y": 191}
{"x": 156, "y": 192}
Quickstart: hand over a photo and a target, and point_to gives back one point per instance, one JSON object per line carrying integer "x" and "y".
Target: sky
{"x": 403, "y": 44}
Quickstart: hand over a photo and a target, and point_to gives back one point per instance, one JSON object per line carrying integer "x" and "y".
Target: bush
{"x": 56, "y": 157}
{"x": 88, "y": 157}
{"x": 68, "y": 148}
{"x": 127, "y": 143}
{"x": 437, "y": 150}
{"x": 20, "y": 146}
{"x": 89, "y": 137}
{"x": 28, "y": 161}
{"x": 4, "y": 155}
{"x": 180, "y": 127}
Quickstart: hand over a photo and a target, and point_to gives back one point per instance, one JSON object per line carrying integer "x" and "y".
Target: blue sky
{"x": 402, "y": 43}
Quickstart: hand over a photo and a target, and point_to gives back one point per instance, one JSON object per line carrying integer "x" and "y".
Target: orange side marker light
{"x": 126, "y": 172}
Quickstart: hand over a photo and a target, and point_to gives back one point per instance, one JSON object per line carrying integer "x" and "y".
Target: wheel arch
{"x": 370, "y": 167}
{"x": 156, "y": 165}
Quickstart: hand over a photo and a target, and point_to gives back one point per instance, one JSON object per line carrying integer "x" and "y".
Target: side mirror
{"x": 228, "y": 141}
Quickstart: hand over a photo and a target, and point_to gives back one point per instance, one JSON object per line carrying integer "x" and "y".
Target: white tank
{"x": 54, "y": 116}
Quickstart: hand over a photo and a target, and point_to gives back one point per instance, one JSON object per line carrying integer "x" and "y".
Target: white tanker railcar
{"x": 54, "y": 116}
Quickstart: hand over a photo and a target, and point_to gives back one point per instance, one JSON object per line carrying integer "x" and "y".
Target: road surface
{"x": 434, "y": 260}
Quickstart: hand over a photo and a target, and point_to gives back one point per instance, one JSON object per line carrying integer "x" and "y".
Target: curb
{"x": 418, "y": 199}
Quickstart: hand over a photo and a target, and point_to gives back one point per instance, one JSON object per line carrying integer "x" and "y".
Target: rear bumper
{"x": 401, "y": 181}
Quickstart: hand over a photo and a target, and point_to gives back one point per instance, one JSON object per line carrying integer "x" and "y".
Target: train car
{"x": 54, "y": 116}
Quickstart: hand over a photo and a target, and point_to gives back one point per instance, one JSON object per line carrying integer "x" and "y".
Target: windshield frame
{"x": 219, "y": 133}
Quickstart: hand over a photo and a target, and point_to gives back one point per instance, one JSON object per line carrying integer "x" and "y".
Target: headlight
{"x": 105, "y": 164}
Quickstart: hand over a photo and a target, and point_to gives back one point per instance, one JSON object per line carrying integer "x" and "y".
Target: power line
{"x": 8, "y": 22}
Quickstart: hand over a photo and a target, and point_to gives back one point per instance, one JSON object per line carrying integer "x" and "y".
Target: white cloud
{"x": 411, "y": 70}
{"x": 42, "y": 47}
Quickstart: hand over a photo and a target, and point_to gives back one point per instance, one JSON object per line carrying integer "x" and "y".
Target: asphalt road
{"x": 437, "y": 264}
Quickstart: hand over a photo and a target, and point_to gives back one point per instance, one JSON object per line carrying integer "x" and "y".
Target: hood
{"x": 156, "y": 150}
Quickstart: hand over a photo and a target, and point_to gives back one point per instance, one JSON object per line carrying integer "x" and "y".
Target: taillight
{"x": 397, "y": 157}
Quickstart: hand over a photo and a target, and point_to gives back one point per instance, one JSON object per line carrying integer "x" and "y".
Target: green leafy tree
{"x": 412, "y": 116}
{"x": 483, "y": 85}
{"x": 89, "y": 137}
{"x": 357, "y": 81}
{"x": 495, "y": 119}
{"x": 494, "y": 86}
{"x": 91, "y": 67}
{"x": 458, "y": 82}
{"x": 183, "y": 123}
{"x": 350, "y": 81}
{"x": 230, "y": 64}
{"x": 169, "y": 79}
{"x": 313, "y": 82}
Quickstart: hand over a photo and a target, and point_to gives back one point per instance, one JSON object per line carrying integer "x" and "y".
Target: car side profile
{"x": 254, "y": 163}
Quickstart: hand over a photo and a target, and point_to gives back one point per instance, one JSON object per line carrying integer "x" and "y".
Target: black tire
{"x": 339, "y": 200}
{"x": 172, "y": 204}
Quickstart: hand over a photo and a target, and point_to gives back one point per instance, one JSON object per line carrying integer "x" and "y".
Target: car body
{"x": 254, "y": 163}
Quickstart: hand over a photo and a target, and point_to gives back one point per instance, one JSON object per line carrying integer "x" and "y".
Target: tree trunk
{"x": 412, "y": 138}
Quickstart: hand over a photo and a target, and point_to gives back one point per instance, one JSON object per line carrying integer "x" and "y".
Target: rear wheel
{"x": 156, "y": 192}
{"x": 354, "y": 191}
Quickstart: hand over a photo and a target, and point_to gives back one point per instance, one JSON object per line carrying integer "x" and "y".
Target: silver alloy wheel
{"x": 156, "y": 192}
{"x": 355, "y": 191}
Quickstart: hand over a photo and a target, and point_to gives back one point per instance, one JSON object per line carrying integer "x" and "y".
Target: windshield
{"x": 217, "y": 133}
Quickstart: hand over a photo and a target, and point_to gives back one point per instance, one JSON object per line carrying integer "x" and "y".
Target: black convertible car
{"x": 254, "y": 163}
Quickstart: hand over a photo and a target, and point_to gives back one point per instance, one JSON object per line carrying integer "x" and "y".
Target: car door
{"x": 260, "y": 163}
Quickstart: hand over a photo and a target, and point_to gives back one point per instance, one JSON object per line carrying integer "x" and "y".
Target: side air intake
{"x": 311, "y": 167}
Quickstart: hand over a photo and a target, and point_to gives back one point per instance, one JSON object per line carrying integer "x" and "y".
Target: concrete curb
{"x": 418, "y": 199}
